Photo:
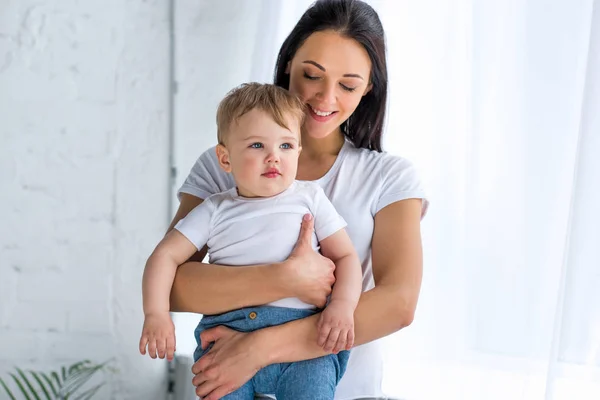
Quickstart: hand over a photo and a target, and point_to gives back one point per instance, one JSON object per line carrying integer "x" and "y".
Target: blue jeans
{"x": 314, "y": 379}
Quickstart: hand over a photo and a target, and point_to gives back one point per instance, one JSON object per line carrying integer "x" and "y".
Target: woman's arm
{"x": 212, "y": 289}
{"x": 387, "y": 308}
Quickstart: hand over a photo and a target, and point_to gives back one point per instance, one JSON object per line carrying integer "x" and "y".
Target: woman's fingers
{"x": 204, "y": 388}
{"x": 201, "y": 365}
{"x": 306, "y": 232}
{"x": 211, "y": 335}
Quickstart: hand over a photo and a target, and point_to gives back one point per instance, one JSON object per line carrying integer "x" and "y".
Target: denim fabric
{"x": 314, "y": 379}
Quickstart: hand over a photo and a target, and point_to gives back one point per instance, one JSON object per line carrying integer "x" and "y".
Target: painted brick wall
{"x": 83, "y": 182}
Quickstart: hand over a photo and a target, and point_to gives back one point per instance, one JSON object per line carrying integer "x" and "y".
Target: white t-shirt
{"x": 248, "y": 231}
{"x": 359, "y": 184}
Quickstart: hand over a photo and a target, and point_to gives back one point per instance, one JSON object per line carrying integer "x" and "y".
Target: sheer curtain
{"x": 498, "y": 104}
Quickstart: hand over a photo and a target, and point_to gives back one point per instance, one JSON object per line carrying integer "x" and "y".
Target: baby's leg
{"x": 314, "y": 379}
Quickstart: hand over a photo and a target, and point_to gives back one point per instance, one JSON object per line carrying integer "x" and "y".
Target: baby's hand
{"x": 159, "y": 335}
{"x": 336, "y": 326}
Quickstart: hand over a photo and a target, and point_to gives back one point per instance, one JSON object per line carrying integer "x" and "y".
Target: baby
{"x": 258, "y": 222}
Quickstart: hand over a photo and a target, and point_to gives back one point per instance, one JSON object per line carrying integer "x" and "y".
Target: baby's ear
{"x": 223, "y": 157}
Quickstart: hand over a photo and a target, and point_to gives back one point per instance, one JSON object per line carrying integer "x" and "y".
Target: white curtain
{"x": 498, "y": 104}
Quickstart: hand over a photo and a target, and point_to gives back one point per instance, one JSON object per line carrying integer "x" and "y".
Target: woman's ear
{"x": 288, "y": 67}
{"x": 223, "y": 157}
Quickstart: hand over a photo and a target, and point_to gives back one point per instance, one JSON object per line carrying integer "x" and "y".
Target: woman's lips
{"x": 320, "y": 118}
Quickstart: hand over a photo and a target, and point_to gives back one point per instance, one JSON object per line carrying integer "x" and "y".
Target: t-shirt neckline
{"x": 234, "y": 194}
{"x": 336, "y": 164}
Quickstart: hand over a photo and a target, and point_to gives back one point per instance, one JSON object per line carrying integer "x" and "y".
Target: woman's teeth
{"x": 321, "y": 113}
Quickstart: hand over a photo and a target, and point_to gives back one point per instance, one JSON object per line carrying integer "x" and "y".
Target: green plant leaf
{"x": 78, "y": 365}
{"x": 28, "y": 384}
{"x": 57, "y": 379}
{"x": 89, "y": 393}
{"x": 20, "y": 386}
{"x": 39, "y": 381}
{"x": 7, "y": 390}
{"x": 78, "y": 379}
{"x": 62, "y": 384}
{"x": 49, "y": 382}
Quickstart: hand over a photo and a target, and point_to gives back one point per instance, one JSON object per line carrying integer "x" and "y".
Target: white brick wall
{"x": 83, "y": 182}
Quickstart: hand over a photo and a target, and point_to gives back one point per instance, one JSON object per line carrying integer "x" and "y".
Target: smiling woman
{"x": 334, "y": 61}
{"x": 337, "y": 73}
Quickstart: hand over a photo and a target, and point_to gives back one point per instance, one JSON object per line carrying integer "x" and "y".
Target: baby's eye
{"x": 286, "y": 146}
{"x": 256, "y": 145}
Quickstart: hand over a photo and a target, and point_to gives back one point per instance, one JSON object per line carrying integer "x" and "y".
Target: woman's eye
{"x": 286, "y": 146}
{"x": 312, "y": 78}
{"x": 347, "y": 88}
{"x": 256, "y": 145}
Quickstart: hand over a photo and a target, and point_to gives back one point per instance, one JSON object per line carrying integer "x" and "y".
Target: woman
{"x": 334, "y": 60}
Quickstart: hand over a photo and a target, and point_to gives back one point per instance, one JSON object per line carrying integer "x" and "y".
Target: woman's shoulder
{"x": 374, "y": 161}
{"x": 207, "y": 177}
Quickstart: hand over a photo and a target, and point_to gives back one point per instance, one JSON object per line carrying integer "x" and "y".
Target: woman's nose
{"x": 327, "y": 93}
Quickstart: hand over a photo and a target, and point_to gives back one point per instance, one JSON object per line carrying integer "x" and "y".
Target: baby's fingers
{"x": 170, "y": 347}
{"x": 350, "y": 341}
{"x": 332, "y": 339}
{"x": 152, "y": 347}
{"x": 161, "y": 347}
{"x": 143, "y": 344}
{"x": 341, "y": 342}
{"x": 324, "y": 331}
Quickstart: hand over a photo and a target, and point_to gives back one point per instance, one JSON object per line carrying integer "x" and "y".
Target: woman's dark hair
{"x": 356, "y": 20}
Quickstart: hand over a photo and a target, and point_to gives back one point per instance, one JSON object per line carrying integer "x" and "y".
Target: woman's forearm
{"x": 213, "y": 289}
{"x": 379, "y": 313}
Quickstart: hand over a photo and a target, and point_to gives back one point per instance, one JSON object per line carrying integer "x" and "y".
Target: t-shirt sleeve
{"x": 399, "y": 181}
{"x": 206, "y": 177}
{"x": 327, "y": 220}
{"x": 197, "y": 224}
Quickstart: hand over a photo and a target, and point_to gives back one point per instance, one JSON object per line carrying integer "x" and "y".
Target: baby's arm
{"x": 336, "y": 324}
{"x": 158, "y": 333}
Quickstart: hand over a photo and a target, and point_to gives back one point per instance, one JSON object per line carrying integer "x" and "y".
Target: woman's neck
{"x": 327, "y": 146}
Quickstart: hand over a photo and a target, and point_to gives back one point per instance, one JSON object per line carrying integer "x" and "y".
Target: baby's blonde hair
{"x": 276, "y": 101}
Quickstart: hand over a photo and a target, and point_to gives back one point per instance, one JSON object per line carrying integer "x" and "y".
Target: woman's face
{"x": 330, "y": 73}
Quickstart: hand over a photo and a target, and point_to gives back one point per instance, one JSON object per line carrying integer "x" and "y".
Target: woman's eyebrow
{"x": 316, "y": 64}
{"x": 322, "y": 68}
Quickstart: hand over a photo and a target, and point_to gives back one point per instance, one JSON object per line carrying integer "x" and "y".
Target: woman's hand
{"x": 310, "y": 275}
{"x": 232, "y": 361}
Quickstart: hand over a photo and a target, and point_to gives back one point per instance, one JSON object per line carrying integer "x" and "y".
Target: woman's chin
{"x": 319, "y": 132}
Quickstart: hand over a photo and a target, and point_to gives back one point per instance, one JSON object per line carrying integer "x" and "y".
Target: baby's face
{"x": 261, "y": 155}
